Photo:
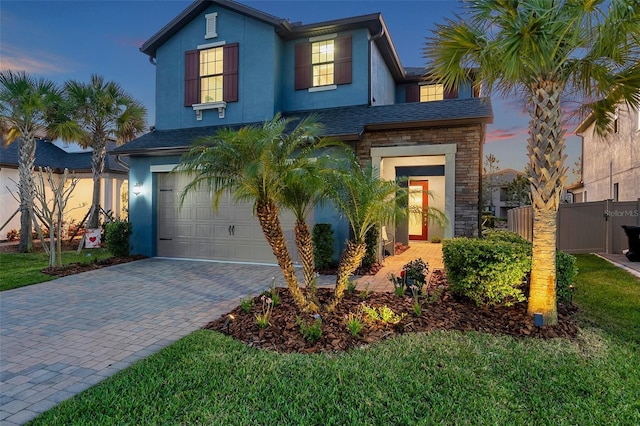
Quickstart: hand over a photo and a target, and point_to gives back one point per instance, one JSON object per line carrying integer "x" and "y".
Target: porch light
{"x": 137, "y": 188}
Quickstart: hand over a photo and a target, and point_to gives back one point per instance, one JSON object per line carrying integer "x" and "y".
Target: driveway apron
{"x": 63, "y": 336}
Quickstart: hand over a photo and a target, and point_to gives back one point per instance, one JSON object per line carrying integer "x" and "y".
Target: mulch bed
{"x": 444, "y": 311}
{"x": 76, "y": 268}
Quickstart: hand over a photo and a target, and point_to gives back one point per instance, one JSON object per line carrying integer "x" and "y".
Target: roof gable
{"x": 374, "y": 23}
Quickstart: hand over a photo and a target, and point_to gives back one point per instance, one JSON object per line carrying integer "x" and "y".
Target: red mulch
{"x": 445, "y": 312}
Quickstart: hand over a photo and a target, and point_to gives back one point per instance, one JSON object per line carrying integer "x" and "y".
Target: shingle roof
{"x": 346, "y": 122}
{"x": 49, "y": 155}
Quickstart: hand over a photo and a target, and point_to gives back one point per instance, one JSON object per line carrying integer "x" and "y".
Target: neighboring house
{"x": 502, "y": 198}
{"x": 223, "y": 64}
{"x": 610, "y": 165}
{"x": 60, "y": 155}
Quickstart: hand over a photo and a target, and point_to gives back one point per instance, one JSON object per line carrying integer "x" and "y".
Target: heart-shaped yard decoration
{"x": 92, "y": 239}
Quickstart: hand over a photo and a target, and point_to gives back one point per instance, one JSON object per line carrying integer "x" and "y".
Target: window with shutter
{"x": 211, "y": 77}
{"x": 323, "y": 63}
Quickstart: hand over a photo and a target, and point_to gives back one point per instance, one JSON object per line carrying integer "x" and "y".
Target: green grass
{"x": 439, "y": 378}
{"x": 608, "y": 297}
{"x": 436, "y": 378}
{"x": 22, "y": 269}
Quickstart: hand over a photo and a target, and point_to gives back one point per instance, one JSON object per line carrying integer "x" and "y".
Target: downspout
{"x": 371, "y": 40}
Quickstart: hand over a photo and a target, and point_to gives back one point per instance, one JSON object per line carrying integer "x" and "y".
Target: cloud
{"x": 33, "y": 61}
{"x": 509, "y": 133}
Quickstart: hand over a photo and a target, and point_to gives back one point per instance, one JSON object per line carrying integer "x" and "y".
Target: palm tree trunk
{"x": 351, "y": 259}
{"x": 304, "y": 243}
{"x": 97, "y": 167}
{"x": 27, "y": 156}
{"x": 268, "y": 217}
{"x": 546, "y": 146}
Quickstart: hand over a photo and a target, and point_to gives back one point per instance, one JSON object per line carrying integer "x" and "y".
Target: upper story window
{"x": 211, "y": 74}
{"x": 322, "y": 54}
{"x": 323, "y": 63}
{"x": 431, "y": 92}
{"x": 211, "y": 82}
{"x": 428, "y": 92}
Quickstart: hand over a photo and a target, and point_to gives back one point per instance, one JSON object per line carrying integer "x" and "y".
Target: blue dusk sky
{"x": 63, "y": 40}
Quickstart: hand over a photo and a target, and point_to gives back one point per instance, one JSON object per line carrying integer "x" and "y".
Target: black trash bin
{"x": 633, "y": 233}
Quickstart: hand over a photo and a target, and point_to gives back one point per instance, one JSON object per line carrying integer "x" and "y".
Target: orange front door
{"x": 418, "y": 203}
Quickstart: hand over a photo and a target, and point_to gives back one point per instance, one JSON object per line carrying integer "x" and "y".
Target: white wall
{"x": 77, "y": 206}
{"x": 613, "y": 159}
{"x": 436, "y": 183}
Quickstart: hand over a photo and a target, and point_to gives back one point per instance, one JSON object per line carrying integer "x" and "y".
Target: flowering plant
{"x": 262, "y": 318}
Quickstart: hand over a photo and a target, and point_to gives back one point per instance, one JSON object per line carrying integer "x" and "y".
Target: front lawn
{"x": 443, "y": 377}
{"x": 608, "y": 297}
{"x": 22, "y": 269}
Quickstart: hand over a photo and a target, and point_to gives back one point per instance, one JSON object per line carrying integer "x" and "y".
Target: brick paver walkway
{"x": 63, "y": 336}
{"x": 60, "y": 337}
{"x": 429, "y": 252}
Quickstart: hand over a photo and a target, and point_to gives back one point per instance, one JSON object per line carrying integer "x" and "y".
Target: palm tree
{"x": 545, "y": 51}
{"x": 256, "y": 164}
{"x": 30, "y": 108}
{"x": 304, "y": 184}
{"x": 365, "y": 200}
{"x": 104, "y": 111}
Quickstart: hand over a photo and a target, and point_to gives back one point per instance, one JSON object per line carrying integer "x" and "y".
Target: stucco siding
{"x": 614, "y": 159}
{"x": 355, "y": 93}
{"x": 256, "y": 79}
{"x": 383, "y": 87}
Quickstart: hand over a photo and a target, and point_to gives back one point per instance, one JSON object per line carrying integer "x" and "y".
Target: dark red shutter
{"x": 412, "y": 93}
{"x": 303, "y": 66}
{"x": 451, "y": 93}
{"x": 342, "y": 62}
{"x": 191, "y": 77}
{"x": 230, "y": 73}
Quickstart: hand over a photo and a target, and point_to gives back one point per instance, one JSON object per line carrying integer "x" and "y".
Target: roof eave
{"x": 430, "y": 123}
{"x": 176, "y": 24}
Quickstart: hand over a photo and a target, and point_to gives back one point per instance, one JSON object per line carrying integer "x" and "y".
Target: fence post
{"x": 608, "y": 230}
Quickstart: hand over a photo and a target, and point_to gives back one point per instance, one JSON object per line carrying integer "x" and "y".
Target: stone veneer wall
{"x": 469, "y": 141}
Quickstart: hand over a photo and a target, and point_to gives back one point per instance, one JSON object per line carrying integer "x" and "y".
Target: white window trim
{"x": 211, "y": 25}
{"x": 323, "y": 37}
{"x": 211, "y": 45}
{"x": 322, "y": 88}
{"x": 220, "y": 106}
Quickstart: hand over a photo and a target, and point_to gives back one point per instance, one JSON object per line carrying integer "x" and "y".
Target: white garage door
{"x": 197, "y": 231}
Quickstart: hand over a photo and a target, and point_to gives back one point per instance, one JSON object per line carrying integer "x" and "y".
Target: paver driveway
{"x": 60, "y": 337}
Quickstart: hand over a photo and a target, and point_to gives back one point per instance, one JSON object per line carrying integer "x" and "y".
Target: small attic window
{"x": 211, "y": 27}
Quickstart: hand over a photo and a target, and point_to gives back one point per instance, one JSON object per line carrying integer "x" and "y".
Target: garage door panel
{"x": 204, "y": 213}
{"x": 196, "y": 230}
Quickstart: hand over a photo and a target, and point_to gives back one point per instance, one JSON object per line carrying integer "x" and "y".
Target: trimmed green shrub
{"x": 566, "y": 271}
{"x": 117, "y": 235}
{"x": 322, "y": 237}
{"x": 505, "y": 236}
{"x": 371, "y": 255}
{"x": 490, "y": 272}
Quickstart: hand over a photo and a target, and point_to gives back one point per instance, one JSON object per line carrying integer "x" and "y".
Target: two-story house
{"x": 223, "y": 64}
{"x": 611, "y": 164}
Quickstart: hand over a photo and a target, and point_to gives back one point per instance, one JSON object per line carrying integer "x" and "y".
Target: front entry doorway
{"x": 418, "y": 204}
